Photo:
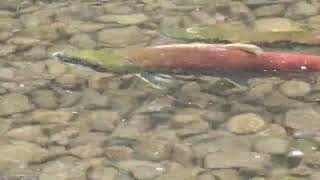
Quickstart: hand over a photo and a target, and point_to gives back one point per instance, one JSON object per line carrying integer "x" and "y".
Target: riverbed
{"x": 68, "y": 122}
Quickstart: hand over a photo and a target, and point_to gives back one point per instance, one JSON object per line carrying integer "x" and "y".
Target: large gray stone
{"x": 239, "y": 9}
{"x": 87, "y": 151}
{"x": 92, "y": 99}
{"x": 82, "y": 40}
{"x": 182, "y": 153}
{"x": 236, "y": 159}
{"x": 226, "y": 174}
{"x": 103, "y": 173}
{"x": 271, "y": 10}
{"x": 48, "y": 117}
{"x": 301, "y": 10}
{"x": 121, "y": 36}
{"x": 129, "y": 19}
{"x": 20, "y": 153}
{"x": 141, "y": 169}
{"x": 29, "y": 133}
{"x": 179, "y": 173}
{"x": 303, "y": 119}
{"x": 224, "y": 144}
{"x": 36, "y": 53}
{"x": 117, "y": 153}
{"x": 7, "y": 74}
{"x": 154, "y": 149}
{"x": 102, "y": 120}
{"x": 295, "y": 88}
{"x": 64, "y": 168}
{"x": 314, "y": 22}
{"x": 246, "y": 123}
{"x": 272, "y": 145}
{"x": 45, "y": 99}
{"x": 6, "y": 50}
{"x": 14, "y": 103}
{"x": 275, "y": 23}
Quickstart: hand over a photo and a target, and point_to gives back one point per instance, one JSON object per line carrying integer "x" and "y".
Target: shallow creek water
{"x": 67, "y": 122}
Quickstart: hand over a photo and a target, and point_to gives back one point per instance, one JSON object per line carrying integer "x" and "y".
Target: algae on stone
{"x": 124, "y": 19}
{"x": 236, "y": 33}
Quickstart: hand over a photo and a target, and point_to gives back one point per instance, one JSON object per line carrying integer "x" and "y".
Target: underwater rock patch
{"x": 237, "y": 159}
{"x": 87, "y": 151}
{"x": 246, "y": 123}
{"x": 133, "y": 165}
{"x": 69, "y": 80}
{"x": 14, "y": 103}
{"x": 7, "y": 74}
{"x": 102, "y": 120}
{"x": 71, "y": 169}
{"x": 295, "y": 88}
{"x": 119, "y": 37}
{"x": 20, "y": 153}
{"x": 82, "y": 40}
{"x": 314, "y": 22}
{"x": 303, "y": 119}
{"x": 48, "y": 117}
{"x": 130, "y": 19}
{"x": 274, "y": 23}
{"x": 103, "y": 173}
{"x": 268, "y": 11}
{"x": 272, "y": 145}
{"x": 29, "y": 133}
{"x": 301, "y": 10}
{"x": 118, "y": 153}
{"x": 6, "y": 50}
{"x": 45, "y": 99}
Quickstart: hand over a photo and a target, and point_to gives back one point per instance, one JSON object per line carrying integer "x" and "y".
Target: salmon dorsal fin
{"x": 251, "y": 48}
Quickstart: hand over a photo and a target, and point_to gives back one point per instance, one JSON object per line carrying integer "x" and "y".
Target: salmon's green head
{"x": 98, "y": 60}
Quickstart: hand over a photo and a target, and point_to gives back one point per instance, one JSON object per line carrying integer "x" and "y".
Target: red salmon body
{"x": 292, "y": 62}
{"x": 198, "y": 57}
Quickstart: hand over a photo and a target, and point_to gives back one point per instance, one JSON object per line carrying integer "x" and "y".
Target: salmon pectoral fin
{"x": 250, "y": 48}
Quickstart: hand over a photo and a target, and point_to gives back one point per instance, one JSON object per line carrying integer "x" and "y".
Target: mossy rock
{"x": 235, "y": 33}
